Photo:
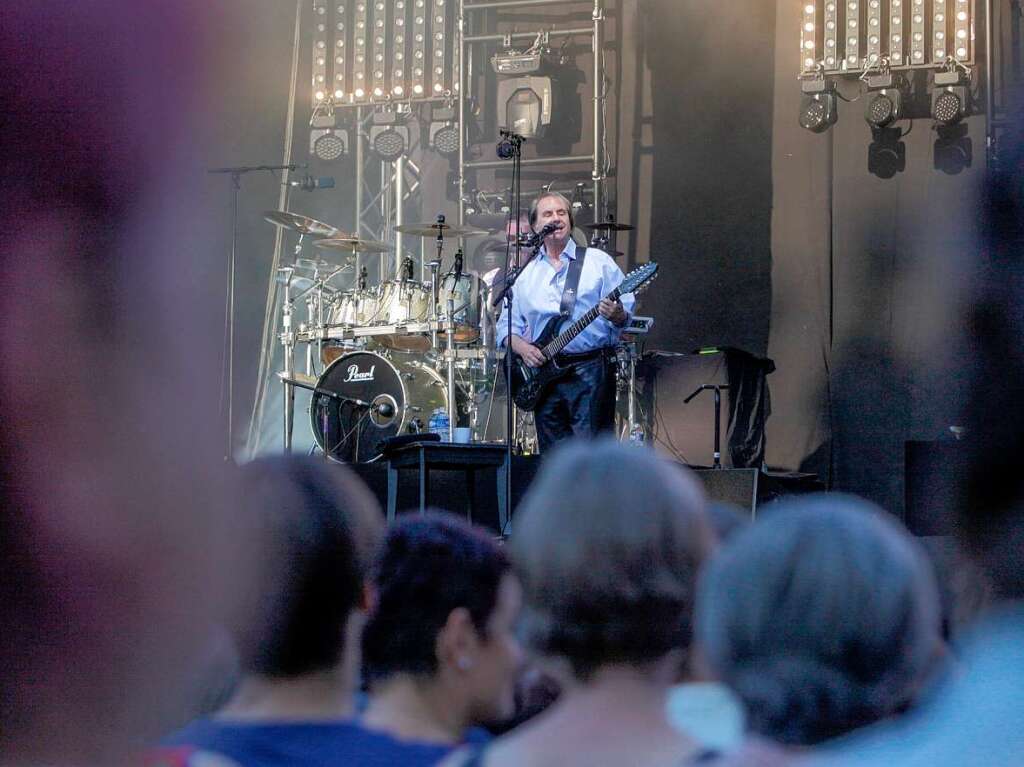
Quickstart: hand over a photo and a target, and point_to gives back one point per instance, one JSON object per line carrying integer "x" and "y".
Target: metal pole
{"x": 533, "y": 161}
{"x": 461, "y": 32}
{"x": 288, "y": 344}
{"x": 452, "y": 414}
{"x": 360, "y": 181}
{"x": 598, "y": 170}
{"x": 399, "y": 194}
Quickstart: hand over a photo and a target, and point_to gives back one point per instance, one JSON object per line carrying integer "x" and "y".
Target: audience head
{"x": 608, "y": 542}
{"x": 446, "y": 605}
{"x": 822, "y": 616}
{"x": 116, "y": 553}
{"x": 319, "y": 527}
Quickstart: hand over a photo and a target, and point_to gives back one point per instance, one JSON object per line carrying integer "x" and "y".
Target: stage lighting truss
{"x": 839, "y": 37}
{"x": 379, "y": 51}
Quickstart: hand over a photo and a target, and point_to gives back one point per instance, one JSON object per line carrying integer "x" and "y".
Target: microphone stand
{"x": 227, "y": 367}
{"x": 511, "y": 145}
{"x": 717, "y": 389}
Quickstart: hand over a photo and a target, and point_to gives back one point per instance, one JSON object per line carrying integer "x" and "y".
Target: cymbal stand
{"x": 288, "y": 345}
{"x": 450, "y": 324}
{"x": 435, "y": 265}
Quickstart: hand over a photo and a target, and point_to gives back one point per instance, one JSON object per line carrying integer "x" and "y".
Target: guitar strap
{"x": 572, "y": 284}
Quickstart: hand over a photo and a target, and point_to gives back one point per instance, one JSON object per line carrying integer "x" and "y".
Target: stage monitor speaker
{"x": 750, "y": 488}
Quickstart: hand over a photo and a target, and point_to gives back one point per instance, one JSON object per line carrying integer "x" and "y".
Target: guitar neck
{"x": 559, "y": 342}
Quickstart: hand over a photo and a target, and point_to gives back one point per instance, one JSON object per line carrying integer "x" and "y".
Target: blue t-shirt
{"x": 260, "y": 744}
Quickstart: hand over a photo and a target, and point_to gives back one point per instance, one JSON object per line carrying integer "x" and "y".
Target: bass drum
{"x": 402, "y": 395}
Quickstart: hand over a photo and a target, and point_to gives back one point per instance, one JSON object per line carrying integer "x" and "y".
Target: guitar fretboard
{"x": 559, "y": 342}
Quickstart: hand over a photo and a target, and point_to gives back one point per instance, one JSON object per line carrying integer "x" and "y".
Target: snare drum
{"x": 465, "y": 296}
{"x": 402, "y": 394}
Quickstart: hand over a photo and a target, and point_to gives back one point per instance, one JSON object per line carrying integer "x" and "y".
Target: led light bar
{"x": 846, "y": 36}
{"x": 874, "y": 45}
{"x": 320, "y": 87}
{"x": 808, "y": 33}
{"x": 852, "y": 34}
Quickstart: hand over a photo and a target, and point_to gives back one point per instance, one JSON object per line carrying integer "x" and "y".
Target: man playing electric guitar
{"x": 560, "y": 285}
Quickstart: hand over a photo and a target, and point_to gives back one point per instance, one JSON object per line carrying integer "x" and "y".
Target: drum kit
{"x": 383, "y": 360}
{"x": 398, "y": 357}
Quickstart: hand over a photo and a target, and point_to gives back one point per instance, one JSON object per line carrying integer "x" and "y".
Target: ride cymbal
{"x": 431, "y": 230}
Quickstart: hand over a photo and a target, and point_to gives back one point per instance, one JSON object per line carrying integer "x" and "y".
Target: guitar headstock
{"x": 638, "y": 278}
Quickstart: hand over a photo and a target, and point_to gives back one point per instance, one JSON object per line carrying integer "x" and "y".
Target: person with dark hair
{"x": 608, "y": 543}
{"x": 822, "y": 616}
{"x": 294, "y": 706}
{"x": 581, "y": 404}
{"x": 439, "y": 652}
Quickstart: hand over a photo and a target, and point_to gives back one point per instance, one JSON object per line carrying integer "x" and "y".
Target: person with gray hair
{"x": 561, "y": 283}
{"x": 608, "y": 543}
{"x": 822, "y": 616}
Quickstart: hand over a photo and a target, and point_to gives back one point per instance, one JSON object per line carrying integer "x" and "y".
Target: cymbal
{"x": 608, "y": 226}
{"x": 431, "y": 230}
{"x": 350, "y": 244}
{"x": 300, "y": 224}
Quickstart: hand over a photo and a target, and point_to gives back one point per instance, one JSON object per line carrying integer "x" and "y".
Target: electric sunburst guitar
{"x": 529, "y": 384}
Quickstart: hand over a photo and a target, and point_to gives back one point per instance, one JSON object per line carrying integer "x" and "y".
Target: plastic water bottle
{"x": 438, "y": 423}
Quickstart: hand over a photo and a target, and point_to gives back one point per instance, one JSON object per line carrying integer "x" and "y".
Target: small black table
{"x": 448, "y": 456}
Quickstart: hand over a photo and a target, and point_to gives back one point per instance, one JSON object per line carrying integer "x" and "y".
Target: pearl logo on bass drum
{"x": 355, "y": 375}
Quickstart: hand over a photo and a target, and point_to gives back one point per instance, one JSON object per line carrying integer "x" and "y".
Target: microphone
{"x": 509, "y": 144}
{"x": 310, "y": 184}
{"x": 383, "y": 409}
{"x": 457, "y": 269}
{"x": 536, "y": 239}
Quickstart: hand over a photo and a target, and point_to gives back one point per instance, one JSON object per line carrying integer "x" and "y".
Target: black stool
{"x": 448, "y": 456}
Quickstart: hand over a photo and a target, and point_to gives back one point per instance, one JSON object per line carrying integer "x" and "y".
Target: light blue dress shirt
{"x": 537, "y": 297}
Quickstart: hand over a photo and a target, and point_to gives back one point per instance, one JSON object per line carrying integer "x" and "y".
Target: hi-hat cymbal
{"x": 432, "y": 229}
{"x": 608, "y": 226}
{"x": 301, "y": 224}
{"x": 350, "y": 244}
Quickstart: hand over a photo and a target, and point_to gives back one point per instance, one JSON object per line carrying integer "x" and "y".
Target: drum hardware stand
{"x": 452, "y": 414}
{"x": 288, "y": 345}
{"x": 227, "y": 379}
{"x": 511, "y": 146}
{"x": 718, "y": 417}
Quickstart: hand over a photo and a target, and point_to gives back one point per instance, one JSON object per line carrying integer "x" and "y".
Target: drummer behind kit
{"x": 398, "y": 354}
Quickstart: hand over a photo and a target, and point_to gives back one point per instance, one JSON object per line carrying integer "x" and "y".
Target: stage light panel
{"x": 846, "y": 36}
{"x": 962, "y": 30}
{"x": 853, "y": 32}
{"x": 398, "y": 49}
{"x": 808, "y": 37}
{"x": 939, "y": 38}
{"x": 917, "y": 42}
{"x": 874, "y": 32}
{"x": 896, "y": 32}
{"x": 320, "y": 87}
{"x": 360, "y": 65}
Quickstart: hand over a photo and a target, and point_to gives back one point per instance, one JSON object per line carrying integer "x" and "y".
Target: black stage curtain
{"x": 712, "y": 82}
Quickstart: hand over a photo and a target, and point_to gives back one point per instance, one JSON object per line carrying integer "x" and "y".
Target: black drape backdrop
{"x": 712, "y": 83}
